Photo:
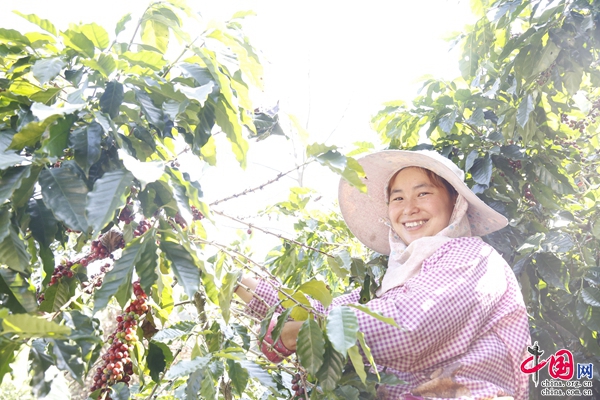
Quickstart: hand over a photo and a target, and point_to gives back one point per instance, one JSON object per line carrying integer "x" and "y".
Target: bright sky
{"x": 330, "y": 63}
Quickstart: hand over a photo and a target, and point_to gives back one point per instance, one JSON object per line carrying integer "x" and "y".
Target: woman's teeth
{"x": 414, "y": 224}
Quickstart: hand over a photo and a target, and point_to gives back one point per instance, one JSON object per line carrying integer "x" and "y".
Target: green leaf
{"x": 482, "y": 170}
{"x": 43, "y": 112}
{"x": 552, "y": 271}
{"x": 27, "y": 326}
{"x": 226, "y": 293}
{"x": 86, "y": 143}
{"x": 342, "y": 326}
{"x": 43, "y": 225}
{"x": 200, "y": 74}
{"x": 56, "y": 296}
{"x": 117, "y": 282}
{"x": 47, "y": 69}
{"x": 107, "y": 197}
{"x": 208, "y": 386}
{"x": 357, "y": 362}
{"x": 256, "y": 372}
{"x": 78, "y": 42}
{"x": 551, "y": 177}
{"x": 239, "y": 377}
{"x": 186, "y": 367}
{"x": 596, "y": 229}
{"x": 588, "y": 315}
{"x": 11, "y": 180}
{"x": 146, "y": 59}
{"x": 68, "y": 358}
{"x": 145, "y": 172}
{"x": 200, "y": 94}
{"x": 317, "y": 290}
{"x": 4, "y": 222}
{"x": 532, "y": 243}
{"x": 21, "y": 295}
{"x": 155, "y": 34}
{"x": 182, "y": 201}
{"x": 375, "y": 314}
{"x": 31, "y": 133}
{"x": 105, "y": 64}
{"x": 58, "y": 139}
{"x": 146, "y": 266}
{"x": 10, "y": 160}
{"x": 547, "y": 57}
{"x": 477, "y": 117}
{"x": 331, "y": 371}
{"x": 42, "y": 23}
{"x": 525, "y": 108}
{"x": 176, "y": 331}
{"x": 153, "y": 114}
{"x": 13, "y": 36}
{"x": 112, "y": 98}
{"x": 13, "y": 252}
{"x": 183, "y": 265}
{"x": 447, "y": 121}
{"x": 367, "y": 351}
{"x": 470, "y": 160}
{"x": 120, "y": 391}
{"x": 558, "y": 242}
{"x": 122, "y": 22}
{"x": 228, "y": 120}
{"x": 194, "y": 384}
{"x": 8, "y": 352}
{"x": 96, "y": 34}
{"x": 23, "y": 193}
{"x": 311, "y": 346}
{"x": 65, "y": 193}
{"x": 591, "y": 296}
{"x": 155, "y": 360}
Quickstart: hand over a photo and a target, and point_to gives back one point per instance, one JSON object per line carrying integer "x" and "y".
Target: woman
{"x": 464, "y": 321}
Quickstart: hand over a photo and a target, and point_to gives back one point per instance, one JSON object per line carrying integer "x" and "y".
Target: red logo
{"x": 560, "y": 364}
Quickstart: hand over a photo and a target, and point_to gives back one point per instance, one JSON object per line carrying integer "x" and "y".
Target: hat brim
{"x": 365, "y": 213}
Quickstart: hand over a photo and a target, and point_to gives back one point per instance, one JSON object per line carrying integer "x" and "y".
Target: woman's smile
{"x": 417, "y": 207}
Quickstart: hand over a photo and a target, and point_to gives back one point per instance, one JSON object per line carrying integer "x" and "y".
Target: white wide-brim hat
{"x": 366, "y": 213}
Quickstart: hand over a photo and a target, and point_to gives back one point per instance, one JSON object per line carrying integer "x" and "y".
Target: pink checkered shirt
{"x": 464, "y": 306}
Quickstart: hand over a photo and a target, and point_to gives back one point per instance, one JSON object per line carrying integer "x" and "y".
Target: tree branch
{"x": 247, "y": 191}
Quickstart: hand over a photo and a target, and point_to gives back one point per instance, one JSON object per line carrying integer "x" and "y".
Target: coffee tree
{"x": 523, "y": 123}
{"x": 99, "y": 219}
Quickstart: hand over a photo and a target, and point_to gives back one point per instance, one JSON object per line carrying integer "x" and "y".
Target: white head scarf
{"x": 405, "y": 261}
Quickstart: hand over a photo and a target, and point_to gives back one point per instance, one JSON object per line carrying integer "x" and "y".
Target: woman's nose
{"x": 410, "y": 207}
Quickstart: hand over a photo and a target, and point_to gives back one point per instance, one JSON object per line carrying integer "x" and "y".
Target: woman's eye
{"x": 397, "y": 198}
{"x": 423, "y": 194}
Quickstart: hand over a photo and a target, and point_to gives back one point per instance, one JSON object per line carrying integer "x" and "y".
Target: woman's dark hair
{"x": 435, "y": 179}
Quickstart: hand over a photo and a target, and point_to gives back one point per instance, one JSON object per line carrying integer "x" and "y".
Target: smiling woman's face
{"x": 418, "y": 207}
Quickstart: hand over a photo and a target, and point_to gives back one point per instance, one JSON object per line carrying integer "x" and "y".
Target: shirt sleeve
{"x": 266, "y": 297}
{"x": 440, "y": 311}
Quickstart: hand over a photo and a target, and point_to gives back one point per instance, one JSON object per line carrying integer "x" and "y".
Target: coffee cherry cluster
{"x": 515, "y": 165}
{"x": 126, "y": 214}
{"x": 297, "y": 387}
{"x": 116, "y": 362}
{"x": 545, "y": 75}
{"x": 142, "y": 228}
{"x": 96, "y": 279}
{"x": 529, "y": 198}
{"x": 580, "y": 125}
{"x": 61, "y": 270}
{"x": 196, "y": 214}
